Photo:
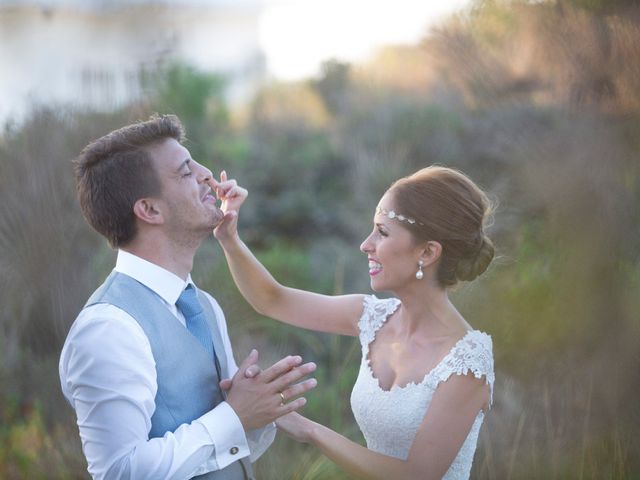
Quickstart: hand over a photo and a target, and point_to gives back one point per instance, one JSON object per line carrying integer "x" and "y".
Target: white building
{"x": 90, "y": 52}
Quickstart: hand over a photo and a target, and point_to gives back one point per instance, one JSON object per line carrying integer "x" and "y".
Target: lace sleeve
{"x": 365, "y": 324}
{"x": 374, "y": 314}
{"x": 473, "y": 353}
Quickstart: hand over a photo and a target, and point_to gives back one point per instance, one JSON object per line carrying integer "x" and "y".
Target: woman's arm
{"x": 445, "y": 427}
{"x": 333, "y": 314}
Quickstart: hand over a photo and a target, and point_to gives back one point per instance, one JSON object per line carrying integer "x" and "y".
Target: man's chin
{"x": 217, "y": 219}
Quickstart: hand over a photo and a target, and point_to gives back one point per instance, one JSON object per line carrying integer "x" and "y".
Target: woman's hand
{"x": 296, "y": 426}
{"x": 232, "y": 196}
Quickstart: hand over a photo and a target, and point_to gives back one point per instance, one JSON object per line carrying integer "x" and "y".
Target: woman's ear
{"x": 148, "y": 210}
{"x": 431, "y": 252}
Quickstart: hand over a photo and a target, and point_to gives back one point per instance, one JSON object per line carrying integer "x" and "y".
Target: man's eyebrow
{"x": 183, "y": 164}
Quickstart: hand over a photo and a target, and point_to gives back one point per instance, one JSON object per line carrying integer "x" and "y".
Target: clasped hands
{"x": 261, "y": 396}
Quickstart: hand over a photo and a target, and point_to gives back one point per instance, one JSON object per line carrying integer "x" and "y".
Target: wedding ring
{"x": 282, "y": 397}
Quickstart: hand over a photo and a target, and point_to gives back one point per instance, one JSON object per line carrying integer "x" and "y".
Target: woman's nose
{"x": 365, "y": 246}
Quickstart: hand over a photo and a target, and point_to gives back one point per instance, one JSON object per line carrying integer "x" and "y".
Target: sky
{"x": 297, "y": 35}
{"x": 62, "y": 55}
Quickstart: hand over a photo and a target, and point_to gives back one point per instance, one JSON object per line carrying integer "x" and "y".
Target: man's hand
{"x": 260, "y": 400}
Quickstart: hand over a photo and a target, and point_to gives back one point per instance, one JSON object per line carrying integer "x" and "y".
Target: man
{"x": 142, "y": 363}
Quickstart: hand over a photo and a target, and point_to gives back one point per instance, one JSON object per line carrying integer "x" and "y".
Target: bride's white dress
{"x": 390, "y": 419}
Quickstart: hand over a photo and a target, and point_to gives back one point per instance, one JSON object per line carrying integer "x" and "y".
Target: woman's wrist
{"x": 314, "y": 432}
{"x": 231, "y": 242}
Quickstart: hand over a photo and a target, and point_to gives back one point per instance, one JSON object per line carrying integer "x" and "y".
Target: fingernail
{"x": 313, "y": 382}
{"x": 297, "y": 359}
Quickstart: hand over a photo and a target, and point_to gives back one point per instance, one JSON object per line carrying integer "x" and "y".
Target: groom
{"x": 142, "y": 362}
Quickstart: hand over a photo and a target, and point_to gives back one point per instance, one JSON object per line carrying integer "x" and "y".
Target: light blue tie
{"x": 197, "y": 324}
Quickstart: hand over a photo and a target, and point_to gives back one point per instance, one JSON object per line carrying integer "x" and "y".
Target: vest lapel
{"x": 218, "y": 345}
{"x": 222, "y": 361}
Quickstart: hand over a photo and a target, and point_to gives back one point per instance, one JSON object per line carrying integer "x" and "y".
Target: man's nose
{"x": 204, "y": 175}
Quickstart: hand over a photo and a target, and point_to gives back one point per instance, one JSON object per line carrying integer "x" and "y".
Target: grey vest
{"x": 187, "y": 383}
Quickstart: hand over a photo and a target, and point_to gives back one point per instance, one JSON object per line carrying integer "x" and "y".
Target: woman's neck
{"x": 428, "y": 311}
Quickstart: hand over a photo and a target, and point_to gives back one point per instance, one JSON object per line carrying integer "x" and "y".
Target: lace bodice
{"x": 389, "y": 420}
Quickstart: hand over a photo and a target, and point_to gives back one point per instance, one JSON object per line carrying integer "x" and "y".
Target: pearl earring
{"x": 419, "y": 273}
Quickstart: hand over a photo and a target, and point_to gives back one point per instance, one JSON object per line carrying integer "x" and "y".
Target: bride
{"x": 426, "y": 376}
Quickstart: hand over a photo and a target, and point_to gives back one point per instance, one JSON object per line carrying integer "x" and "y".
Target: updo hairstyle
{"x": 451, "y": 210}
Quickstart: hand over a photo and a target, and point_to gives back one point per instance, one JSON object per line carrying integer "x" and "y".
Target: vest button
{"x": 233, "y": 450}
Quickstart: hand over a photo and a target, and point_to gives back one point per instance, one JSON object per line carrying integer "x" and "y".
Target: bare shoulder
{"x": 349, "y": 308}
{"x": 337, "y": 314}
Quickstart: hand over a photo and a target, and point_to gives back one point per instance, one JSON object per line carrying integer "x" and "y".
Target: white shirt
{"x": 108, "y": 375}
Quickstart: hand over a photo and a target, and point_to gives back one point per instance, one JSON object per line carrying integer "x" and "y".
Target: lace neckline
{"x": 413, "y": 383}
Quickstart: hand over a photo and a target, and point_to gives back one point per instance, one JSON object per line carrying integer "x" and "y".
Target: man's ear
{"x": 148, "y": 210}
{"x": 431, "y": 252}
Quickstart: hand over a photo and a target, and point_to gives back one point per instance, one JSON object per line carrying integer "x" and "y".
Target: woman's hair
{"x": 452, "y": 210}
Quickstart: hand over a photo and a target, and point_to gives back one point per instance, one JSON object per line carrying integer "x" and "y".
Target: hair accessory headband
{"x": 393, "y": 215}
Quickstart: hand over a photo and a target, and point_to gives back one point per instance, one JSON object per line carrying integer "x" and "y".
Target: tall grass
{"x": 537, "y": 102}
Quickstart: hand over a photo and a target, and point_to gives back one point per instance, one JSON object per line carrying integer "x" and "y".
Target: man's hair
{"x": 116, "y": 170}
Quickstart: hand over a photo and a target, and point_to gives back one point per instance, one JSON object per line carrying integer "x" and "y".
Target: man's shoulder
{"x": 103, "y": 327}
{"x": 112, "y": 316}
{"x": 102, "y": 338}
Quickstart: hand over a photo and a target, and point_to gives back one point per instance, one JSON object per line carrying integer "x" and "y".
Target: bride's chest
{"x": 395, "y": 412}
{"x": 396, "y": 363}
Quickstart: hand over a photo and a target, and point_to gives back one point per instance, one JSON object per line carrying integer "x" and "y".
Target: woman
{"x": 426, "y": 377}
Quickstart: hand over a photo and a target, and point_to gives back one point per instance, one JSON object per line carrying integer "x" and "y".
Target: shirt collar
{"x": 166, "y": 284}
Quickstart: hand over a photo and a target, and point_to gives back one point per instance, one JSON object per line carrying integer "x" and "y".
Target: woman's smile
{"x": 374, "y": 267}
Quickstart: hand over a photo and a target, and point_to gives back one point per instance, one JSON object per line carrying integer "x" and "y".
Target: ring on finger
{"x": 282, "y": 397}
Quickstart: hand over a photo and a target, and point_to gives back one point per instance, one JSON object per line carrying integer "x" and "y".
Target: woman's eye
{"x": 382, "y": 232}
{"x": 187, "y": 174}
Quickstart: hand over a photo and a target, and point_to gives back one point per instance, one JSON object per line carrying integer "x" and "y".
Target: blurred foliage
{"x": 537, "y": 101}
{"x": 196, "y": 97}
{"x": 30, "y": 449}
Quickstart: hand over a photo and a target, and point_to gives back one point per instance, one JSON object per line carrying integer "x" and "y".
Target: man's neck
{"x": 176, "y": 259}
